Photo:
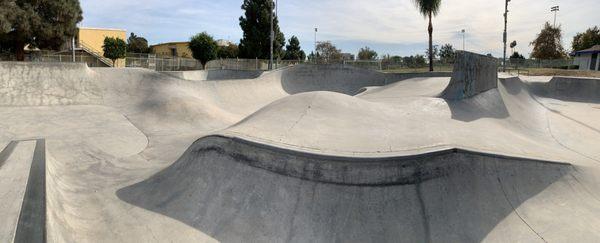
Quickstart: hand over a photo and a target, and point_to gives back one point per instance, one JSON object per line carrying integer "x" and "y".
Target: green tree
{"x": 587, "y": 39}
{"x": 436, "y": 52}
{"x": 417, "y": 61}
{"x": 328, "y": 52}
{"x": 229, "y": 51}
{"x": 8, "y": 14}
{"x": 204, "y": 48}
{"x": 447, "y": 53}
{"x": 429, "y": 8}
{"x": 293, "y": 51}
{"x": 256, "y": 25}
{"x": 114, "y": 48}
{"x": 42, "y": 24}
{"x": 137, "y": 44}
{"x": 516, "y": 55}
{"x": 367, "y": 53}
{"x": 547, "y": 44}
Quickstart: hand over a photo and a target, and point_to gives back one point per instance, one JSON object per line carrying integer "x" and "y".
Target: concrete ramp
{"x": 236, "y": 190}
{"x": 473, "y": 74}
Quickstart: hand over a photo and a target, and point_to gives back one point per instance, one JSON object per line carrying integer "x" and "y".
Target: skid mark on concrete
{"x": 31, "y": 227}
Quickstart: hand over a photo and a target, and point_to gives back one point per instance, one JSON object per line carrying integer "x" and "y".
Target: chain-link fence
{"x": 405, "y": 64}
{"x": 48, "y": 57}
{"x": 248, "y": 64}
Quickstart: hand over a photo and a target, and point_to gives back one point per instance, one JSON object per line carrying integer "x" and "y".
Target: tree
{"x": 42, "y": 24}
{"x": 256, "y": 25}
{"x": 137, "y": 44}
{"x": 447, "y": 53}
{"x": 228, "y": 51}
{"x": 203, "y": 47}
{"x": 8, "y": 14}
{"x": 436, "y": 52}
{"x": 293, "y": 50}
{"x": 114, "y": 48}
{"x": 414, "y": 61}
{"x": 328, "y": 52}
{"x": 547, "y": 44}
{"x": 587, "y": 39}
{"x": 516, "y": 55}
{"x": 367, "y": 54}
{"x": 429, "y": 8}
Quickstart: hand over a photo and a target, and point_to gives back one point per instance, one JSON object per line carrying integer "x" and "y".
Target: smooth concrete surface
{"x": 302, "y": 154}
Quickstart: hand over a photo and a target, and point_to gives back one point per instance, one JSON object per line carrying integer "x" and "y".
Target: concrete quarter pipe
{"x": 302, "y": 154}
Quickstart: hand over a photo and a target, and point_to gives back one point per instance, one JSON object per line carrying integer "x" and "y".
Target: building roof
{"x": 592, "y": 50}
{"x": 110, "y": 29}
{"x": 171, "y": 43}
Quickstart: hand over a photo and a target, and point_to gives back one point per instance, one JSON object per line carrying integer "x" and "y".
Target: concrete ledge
{"x": 569, "y": 88}
{"x": 347, "y": 170}
{"x": 473, "y": 74}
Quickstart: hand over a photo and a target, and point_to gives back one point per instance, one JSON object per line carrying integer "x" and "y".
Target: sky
{"x": 392, "y": 27}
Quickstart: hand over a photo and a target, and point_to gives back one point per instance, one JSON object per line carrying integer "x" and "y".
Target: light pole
{"x": 315, "y": 53}
{"x": 272, "y": 38}
{"x": 463, "y": 33}
{"x": 505, "y": 34}
{"x": 555, "y": 9}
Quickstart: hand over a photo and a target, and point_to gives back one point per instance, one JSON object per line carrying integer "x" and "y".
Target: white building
{"x": 587, "y": 59}
{"x": 223, "y": 43}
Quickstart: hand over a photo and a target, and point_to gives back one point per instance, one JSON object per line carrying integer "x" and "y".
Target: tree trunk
{"x": 430, "y": 30}
{"x": 19, "y": 50}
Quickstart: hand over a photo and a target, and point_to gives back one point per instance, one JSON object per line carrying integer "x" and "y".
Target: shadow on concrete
{"x": 485, "y": 105}
{"x": 216, "y": 189}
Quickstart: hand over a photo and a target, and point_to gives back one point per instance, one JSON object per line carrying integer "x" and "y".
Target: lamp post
{"x": 505, "y": 34}
{"x": 555, "y": 9}
{"x": 272, "y": 38}
{"x": 463, "y": 35}
{"x": 315, "y": 53}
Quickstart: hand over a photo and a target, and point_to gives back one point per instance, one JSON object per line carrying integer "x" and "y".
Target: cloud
{"x": 388, "y": 26}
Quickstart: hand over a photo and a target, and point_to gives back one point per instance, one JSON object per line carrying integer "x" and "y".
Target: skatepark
{"x": 305, "y": 153}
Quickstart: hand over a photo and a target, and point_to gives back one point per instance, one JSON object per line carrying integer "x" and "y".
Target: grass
{"x": 419, "y": 70}
{"x": 561, "y": 72}
{"x": 524, "y": 71}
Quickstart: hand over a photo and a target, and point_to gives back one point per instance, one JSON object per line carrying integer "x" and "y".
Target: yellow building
{"x": 172, "y": 49}
{"x": 91, "y": 41}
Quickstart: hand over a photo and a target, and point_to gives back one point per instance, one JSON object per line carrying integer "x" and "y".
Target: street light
{"x": 505, "y": 37}
{"x": 315, "y": 53}
{"x": 555, "y": 9}
{"x": 463, "y": 33}
{"x": 272, "y": 38}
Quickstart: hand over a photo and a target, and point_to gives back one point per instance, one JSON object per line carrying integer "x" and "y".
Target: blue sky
{"x": 388, "y": 26}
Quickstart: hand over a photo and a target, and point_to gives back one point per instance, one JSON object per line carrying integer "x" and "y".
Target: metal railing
{"x": 85, "y": 47}
{"x": 91, "y": 61}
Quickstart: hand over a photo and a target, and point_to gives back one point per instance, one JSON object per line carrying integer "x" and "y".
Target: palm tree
{"x": 429, "y": 8}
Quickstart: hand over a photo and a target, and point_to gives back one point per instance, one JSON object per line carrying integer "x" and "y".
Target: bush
{"x": 204, "y": 48}
{"x": 114, "y": 48}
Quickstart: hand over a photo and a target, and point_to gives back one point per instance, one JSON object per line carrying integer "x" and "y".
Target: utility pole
{"x": 272, "y": 38}
{"x": 555, "y": 9}
{"x": 463, "y": 33}
{"x": 73, "y": 48}
{"x": 505, "y": 34}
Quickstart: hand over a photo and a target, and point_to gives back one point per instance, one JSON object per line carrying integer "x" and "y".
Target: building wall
{"x": 583, "y": 61}
{"x": 165, "y": 50}
{"x": 94, "y": 38}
